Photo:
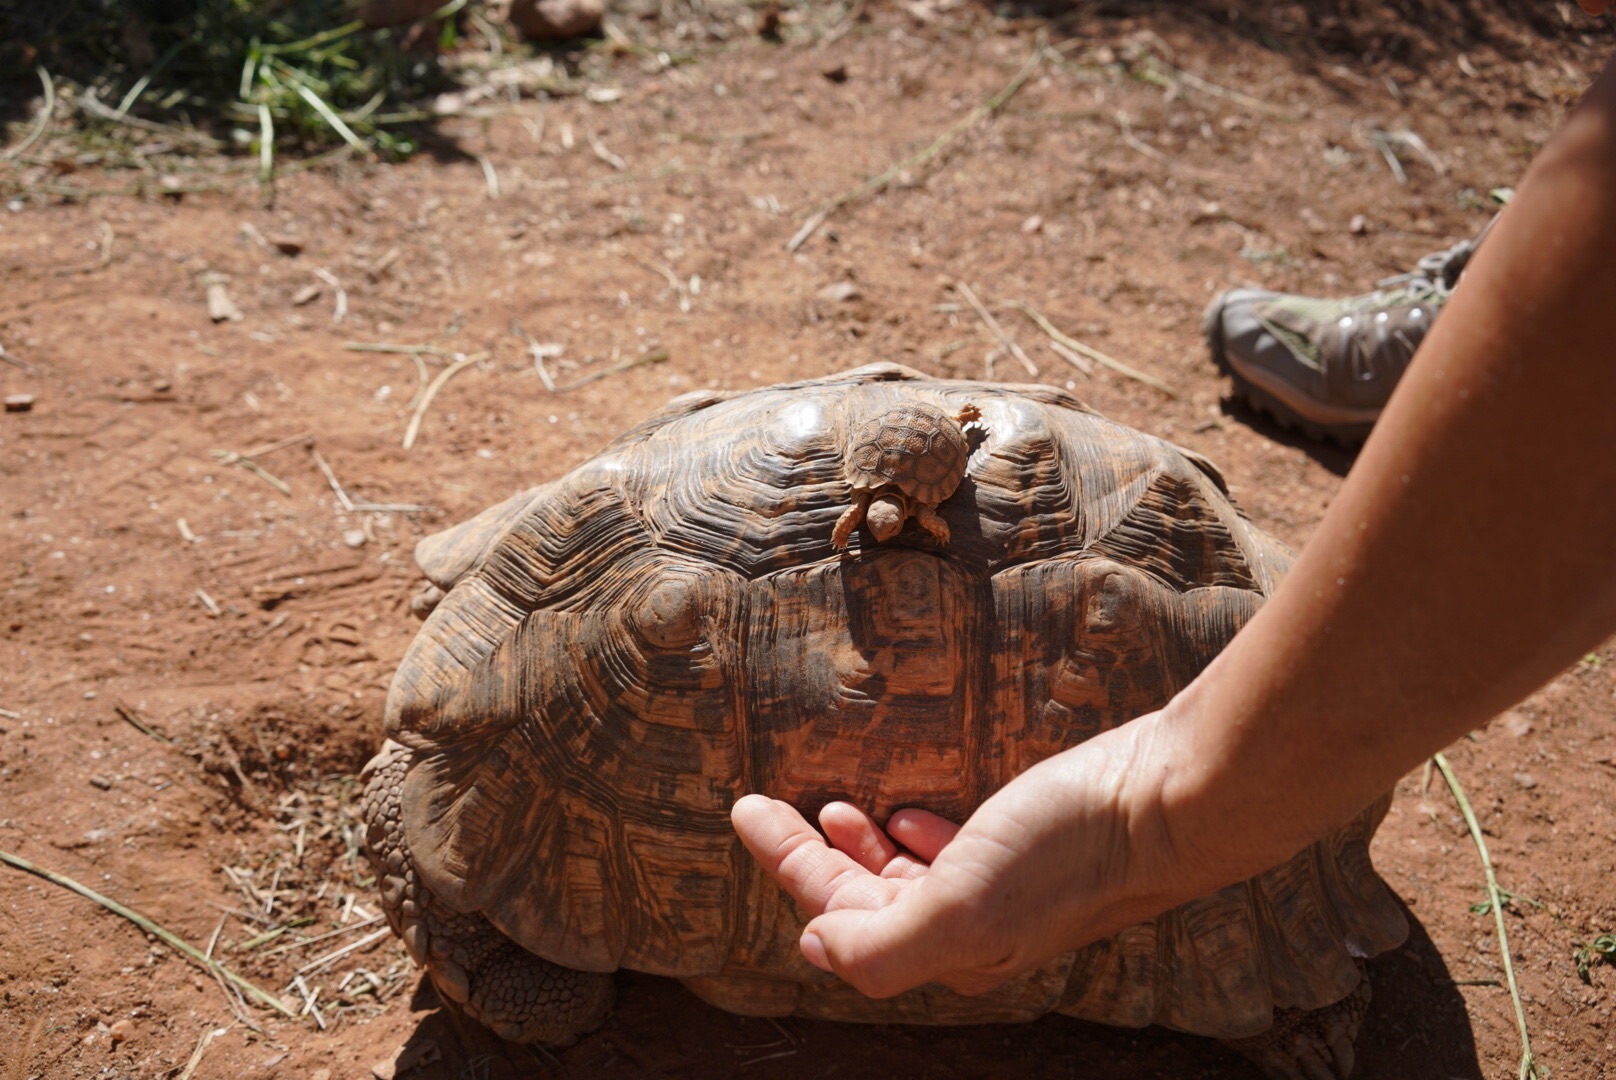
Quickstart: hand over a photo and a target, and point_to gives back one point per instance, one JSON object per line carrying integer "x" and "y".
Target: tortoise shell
{"x": 626, "y": 651}
{"x": 914, "y": 447}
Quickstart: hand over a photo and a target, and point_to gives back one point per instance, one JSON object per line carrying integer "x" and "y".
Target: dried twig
{"x": 209, "y": 602}
{"x": 539, "y": 351}
{"x": 1528, "y": 1069}
{"x": 1165, "y": 74}
{"x": 331, "y": 478}
{"x": 341, "y": 310}
{"x": 308, "y": 1001}
{"x": 229, "y": 457}
{"x": 875, "y": 183}
{"x": 679, "y": 288}
{"x": 1092, "y": 353}
{"x": 407, "y": 350}
{"x": 332, "y": 957}
{"x": 600, "y": 151}
{"x": 201, "y": 1048}
{"x": 132, "y": 718}
{"x": 16, "y": 361}
{"x": 350, "y": 928}
{"x": 168, "y": 936}
{"x": 656, "y": 357}
{"x": 1005, "y": 340}
{"x": 96, "y": 107}
{"x": 44, "y": 115}
{"x": 490, "y": 177}
{"x": 392, "y": 508}
{"x": 431, "y": 391}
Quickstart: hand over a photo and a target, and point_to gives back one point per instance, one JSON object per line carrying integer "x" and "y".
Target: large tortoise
{"x": 623, "y": 653}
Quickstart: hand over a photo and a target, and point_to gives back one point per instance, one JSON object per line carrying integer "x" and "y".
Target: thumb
{"x": 885, "y": 951}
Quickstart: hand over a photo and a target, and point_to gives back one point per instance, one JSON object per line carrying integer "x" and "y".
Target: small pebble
{"x": 101, "y": 782}
{"x": 840, "y": 292}
{"x": 19, "y": 402}
{"x": 1032, "y": 224}
{"x": 1359, "y": 225}
{"x": 1525, "y": 780}
{"x": 121, "y": 1031}
{"x": 354, "y": 538}
{"x": 1517, "y": 725}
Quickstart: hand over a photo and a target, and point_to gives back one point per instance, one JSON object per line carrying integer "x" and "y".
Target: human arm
{"x": 1467, "y": 558}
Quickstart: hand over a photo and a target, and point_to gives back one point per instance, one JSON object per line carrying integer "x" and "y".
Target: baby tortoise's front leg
{"x": 928, "y": 518}
{"x": 475, "y": 968}
{"x": 851, "y": 518}
{"x": 1310, "y": 1044}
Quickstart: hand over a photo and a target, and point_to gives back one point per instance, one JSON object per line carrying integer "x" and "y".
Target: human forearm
{"x": 1470, "y": 555}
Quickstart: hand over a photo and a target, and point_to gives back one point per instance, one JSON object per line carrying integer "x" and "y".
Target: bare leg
{"x": 850, "y": 520}
{"x": 927, "y": 518}
{"x": 1309, "y": 1044}
{"x": 474, "y": 967}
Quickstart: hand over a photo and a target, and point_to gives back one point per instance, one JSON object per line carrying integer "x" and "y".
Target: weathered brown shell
{"x": 627, "y": 651}
{"x": 914, "y": 447}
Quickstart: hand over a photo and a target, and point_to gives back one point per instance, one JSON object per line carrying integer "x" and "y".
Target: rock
{"x": 121, "y": 1031}
{"x": 1359, "y": 225}
{"x": 354, "y": 538}
{"x": 220, "y": 307}
{"x": 838, "y": 292}
{"x": 549, "y": 20}
{"x": 1517, "y": 724}
{"x": 1526, "y": 780}
{"x": 408, "y": 1056}
{"x": 19, "y": 402}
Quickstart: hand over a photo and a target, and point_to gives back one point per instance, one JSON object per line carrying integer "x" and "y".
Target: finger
{"x": 853, "y": 831}
{"x": 922, "y": 832}
{"x": 815, "y": 874}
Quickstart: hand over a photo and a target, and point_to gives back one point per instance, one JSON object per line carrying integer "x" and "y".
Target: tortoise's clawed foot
{"x": 476, "y": 969}
{"x": 851, "y": 518}
{"x": 1311, "y": 1044}
{"x": 932, "y": 522}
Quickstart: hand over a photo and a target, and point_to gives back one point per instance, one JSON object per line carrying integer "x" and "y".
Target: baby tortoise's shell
{"x": 626, "y": 651}
{"x": 914, "y": 447}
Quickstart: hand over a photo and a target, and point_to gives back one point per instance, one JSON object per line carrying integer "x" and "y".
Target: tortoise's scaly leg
{"x": 928, "y": 518}
{"x": 850, "y": 520}
{"x": 1309, "y": 1044}
{"x": 474, "y": 967}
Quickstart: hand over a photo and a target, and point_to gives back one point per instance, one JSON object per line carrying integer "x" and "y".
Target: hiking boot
{"x": 1327, "y": 367}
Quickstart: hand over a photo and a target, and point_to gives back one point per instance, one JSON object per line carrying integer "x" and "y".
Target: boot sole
{"x": 1349, "y": 436}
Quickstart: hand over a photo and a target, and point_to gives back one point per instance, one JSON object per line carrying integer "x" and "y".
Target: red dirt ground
{"x": 1114, "y": 204}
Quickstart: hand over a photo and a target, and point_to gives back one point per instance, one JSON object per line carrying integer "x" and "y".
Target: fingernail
{"x": 813, "y": 951}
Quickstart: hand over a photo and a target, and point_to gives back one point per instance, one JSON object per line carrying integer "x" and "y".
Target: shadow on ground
{"x": 1417, "y": 1027}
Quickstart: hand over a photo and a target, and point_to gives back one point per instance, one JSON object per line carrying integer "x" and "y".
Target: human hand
{"x": 1067, "y": 852}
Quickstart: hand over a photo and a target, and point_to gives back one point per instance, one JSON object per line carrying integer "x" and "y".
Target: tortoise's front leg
{"x": 851, "y": 518}
{"x": 928, "y": 518}
{"x": 475, "y": 968}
